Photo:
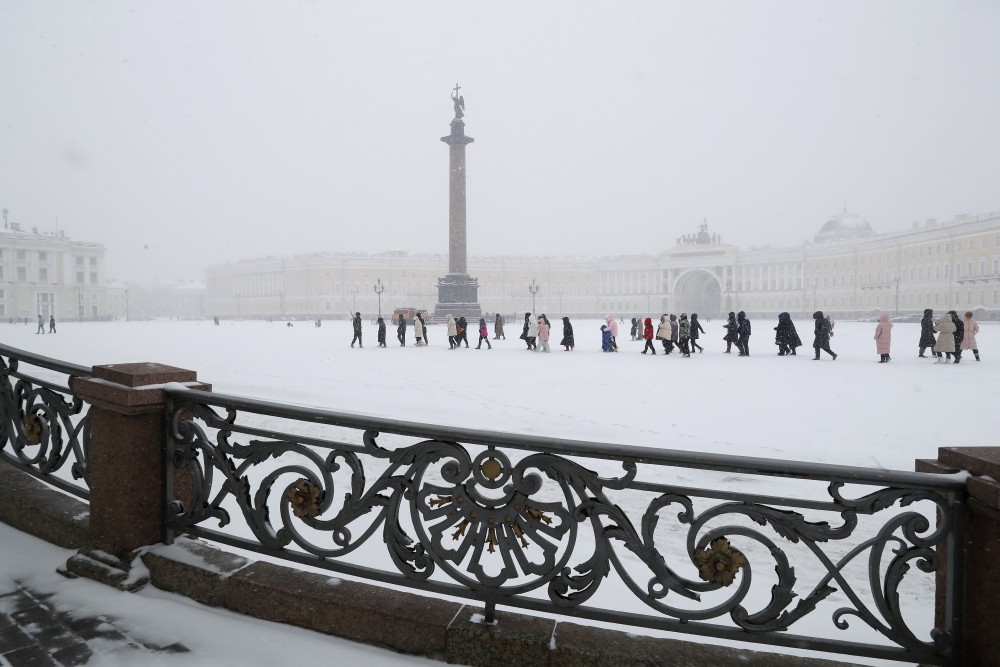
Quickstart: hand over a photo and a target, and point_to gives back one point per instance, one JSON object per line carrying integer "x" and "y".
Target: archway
{"x": 699, "y": 291}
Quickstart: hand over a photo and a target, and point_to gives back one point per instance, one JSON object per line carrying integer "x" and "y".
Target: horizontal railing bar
{"x": 45, "y": 362}
{"x": 739, "y": 497}
{"x": 697, "y": 628}
{"x": 565, "y": 447}
{"x": 79, "y": 491}
{"x": 43, "y": 383}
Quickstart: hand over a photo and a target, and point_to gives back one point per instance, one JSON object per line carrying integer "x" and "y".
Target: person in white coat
{"x": 418, "y": 331}
{"x": 945, "y": 327}
{"x": 452, "y": 332}
{"x": 532, "y": 336}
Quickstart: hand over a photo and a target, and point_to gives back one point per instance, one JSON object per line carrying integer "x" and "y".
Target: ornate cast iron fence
{"x": 581, "y": 529}
{"x": 44, "y": 428}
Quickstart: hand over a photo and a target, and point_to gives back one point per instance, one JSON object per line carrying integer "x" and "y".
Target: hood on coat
{"x": 928, "y": 312}
{"x": 694, "y": 316}
{"x": 663, "y": 319}
{"x": 741, "y": 315}
{"x": 818, "y": 315}
{"x": 732, "y": 315}
{"x": 449, "y": 317}
{"x": 673, "y": 318}
{"x": 482, "y": 321}
{"x": 684, "y": 316}
{"x": 604, "y": 327}
{"x": 565, "y": 319}
{"x": 649, "y": 321}
{"x": 782, "y": 317}
{"x": 884, "y": 319}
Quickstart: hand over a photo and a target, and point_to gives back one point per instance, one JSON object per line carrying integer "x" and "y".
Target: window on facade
{"x": 947, "y": 247}
{"x": 79, "y": 261}
{"x": 972, "y": 244}
{"x": 42, "y": 256}
{"x": 22, "y": 274}
{"x": 79, "y": 277}
{"x": 43, "y": 275}
{"x": 21, "y": 254}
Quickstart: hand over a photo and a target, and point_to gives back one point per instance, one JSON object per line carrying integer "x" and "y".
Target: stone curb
{"x": 35, "y": 508}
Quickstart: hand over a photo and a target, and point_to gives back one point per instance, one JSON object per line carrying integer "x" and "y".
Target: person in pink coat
{"x": 613, "y": 328}
{"x": 969, "y": 338}
{"x": 883, "y": 338}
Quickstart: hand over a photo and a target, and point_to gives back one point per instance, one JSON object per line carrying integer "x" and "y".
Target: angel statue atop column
{"x": 459, "y": 102}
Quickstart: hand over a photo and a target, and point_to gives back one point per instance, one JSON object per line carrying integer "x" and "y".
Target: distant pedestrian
{"x": 613, "y": 328}
{"x": 883, "y": 338}
{"x": 532, "y": 332}
{"x": 647, "y": 335}
{"x": 356, "y": 321}
{"x": 785, "y": 335}
{"x": 926, "y": 332}
{"x": 743, "y": 333}
{"x": 663, "y": 334}
{"x": 945, "y": 326}
{"x": 696, "y": 331}
{"x": 216, "y": 321}
{"x": 684, "y": 333}
{"x": 544, "y": 328}
{"x": 418, "y": 331}
{"x": 674, "y": 332}
{"x": 821, "y": 335}
{"x": 730, "y": 326}
{"x": 524, "y": 330}
{"x": 567, "y": 339}
{"x": 381, "y": 332}
{"x": 462, "y": 327}
{"x": 41, "y": 325}
{"x": 423, "y": 325}
{"x": 452, "y": 332}
{"x": 606, "y": 339}
{"x": 635, "y": 325}
{"x": 959, "y": 334}
{"x": 484, "y": 334}
{"x": 52, "y": 324}
{"x": 969, "y": 337}
{"x": 498, "y": 328}
{"x": 401, "y": 330}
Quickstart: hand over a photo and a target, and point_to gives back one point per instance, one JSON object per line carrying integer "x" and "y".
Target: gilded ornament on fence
{"x": 304, "y": 496}
{"x": 720, "y": 562}
{"x": 491, "y": 469}
{"x": 32, "y": 429}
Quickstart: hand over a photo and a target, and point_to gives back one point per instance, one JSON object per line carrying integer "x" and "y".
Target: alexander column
{"x": 458, "y": 292}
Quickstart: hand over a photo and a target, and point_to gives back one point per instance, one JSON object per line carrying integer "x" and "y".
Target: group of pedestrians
{"x": 41, "y": 324}
{"x": 953, "y": 334}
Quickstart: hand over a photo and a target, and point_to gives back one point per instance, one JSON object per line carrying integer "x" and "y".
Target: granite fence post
{"x": 978, "y": 552}
{"x": 128, "y": 465}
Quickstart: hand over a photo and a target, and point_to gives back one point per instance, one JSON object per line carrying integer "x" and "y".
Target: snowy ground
{"x": 853, "y": 411}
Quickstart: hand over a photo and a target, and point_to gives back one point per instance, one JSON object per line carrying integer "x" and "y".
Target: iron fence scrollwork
{"x": 523, "y": 522}
{"x": 44, "y": 428}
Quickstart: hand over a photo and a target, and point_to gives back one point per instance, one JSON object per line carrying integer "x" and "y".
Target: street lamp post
{"x": 379, "y": 288}
{"x": 533, "y": 288}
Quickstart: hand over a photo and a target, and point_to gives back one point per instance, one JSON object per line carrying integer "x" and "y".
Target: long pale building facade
{"x": 847, "y": 271}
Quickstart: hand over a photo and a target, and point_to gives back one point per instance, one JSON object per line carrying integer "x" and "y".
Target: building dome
{"x": 844, "y": 226}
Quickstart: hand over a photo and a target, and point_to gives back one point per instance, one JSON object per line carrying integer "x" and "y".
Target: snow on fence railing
{"x": 737, "y": 548}
{"x": 44, "y": 428}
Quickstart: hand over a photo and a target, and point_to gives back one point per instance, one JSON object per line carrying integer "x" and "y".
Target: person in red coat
{"x": 647, "y": 333}
{"x": 883, "y": 338}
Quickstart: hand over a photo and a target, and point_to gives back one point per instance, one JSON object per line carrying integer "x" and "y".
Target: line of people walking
{"x": 946, "y": 337}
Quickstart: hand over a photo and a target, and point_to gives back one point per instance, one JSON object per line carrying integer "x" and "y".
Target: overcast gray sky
{"x": 182, "y": 134}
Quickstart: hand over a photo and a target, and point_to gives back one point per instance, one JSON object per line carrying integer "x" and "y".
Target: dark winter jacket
{"x": 730, "y": 326}
{"x": 927, "y": 329}
{"x": 695, "y": 327}
{"x": 742, "y": 324}
{"x": 381, "y": 331}
{"x": 685, "y": 328}
{"x": 785, "y": 333}
{"x": 401, "y": 327}
{"x": 821, "y": 332}
{"x": 635, "y": 325}
{"x": 673, "y": 328}
{"x": 357, "y": 324}
{"x": 959, "y": 329}
{"x": 567, "y": 339}
{"x": 524, "y": 329}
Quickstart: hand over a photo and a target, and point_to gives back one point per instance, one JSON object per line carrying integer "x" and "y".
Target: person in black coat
{"x": 381, "y": 332}
{"x": 696, "y": 332}
{"x": 959, "y": 334}
{"x": 567, "y": 339}
{"x": 743, "y": 334}
{"x": 524, "y": 330}
{"x": 401, "y": 330}
{"x": 821, "y": 333}
{"x": 786, "y": 337}
{"x": 635, "y": 327}
{"x": 926, "y": 332}
{"x": 463, "y": 331}
{"x": 731, "y": 337}
{"x": 356, "y": 321}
